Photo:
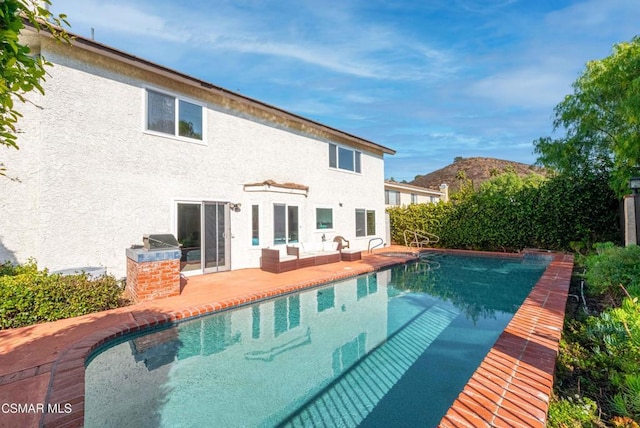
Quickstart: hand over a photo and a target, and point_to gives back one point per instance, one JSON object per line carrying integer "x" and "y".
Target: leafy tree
{"x": 601, "y": 119}
{"x": 20, "y": 72}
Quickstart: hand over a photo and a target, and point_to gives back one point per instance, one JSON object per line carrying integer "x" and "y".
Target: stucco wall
{"x": 92, "y": 182}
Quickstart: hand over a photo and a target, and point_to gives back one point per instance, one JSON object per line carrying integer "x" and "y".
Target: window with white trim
{"x": 324, "y": 218}
{"x": 414, "y": 198}
{"x": 170, "y": 115}
{"x": 365, "y": 222}
{"x": 285, "y": 224}
{"x": 344, "y": 158}
{"x": 391, "y": 197}
{"x": 255, "y": 225}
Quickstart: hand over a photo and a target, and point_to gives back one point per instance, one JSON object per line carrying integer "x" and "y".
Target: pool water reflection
{"x": 399, "y": 344}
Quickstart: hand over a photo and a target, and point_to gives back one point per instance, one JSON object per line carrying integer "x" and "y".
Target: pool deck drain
{"x": 43, "y": 365}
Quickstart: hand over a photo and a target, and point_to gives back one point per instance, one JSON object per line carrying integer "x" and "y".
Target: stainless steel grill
{"x": 160, "y": 241}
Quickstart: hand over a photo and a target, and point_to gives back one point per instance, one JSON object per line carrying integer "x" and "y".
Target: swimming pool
{"x": 395, "y": 345}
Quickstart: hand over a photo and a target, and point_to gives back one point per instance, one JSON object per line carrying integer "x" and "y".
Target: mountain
{"x": 478, "y": 170}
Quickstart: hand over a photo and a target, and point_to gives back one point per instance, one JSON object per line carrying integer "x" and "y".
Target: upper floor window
{"x": 391, "y": 197}
{"x": 170, "y": 115}
{"x": 344, "y": 158}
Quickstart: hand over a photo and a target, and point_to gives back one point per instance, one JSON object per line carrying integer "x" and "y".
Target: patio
{"x": 44, "y": 363}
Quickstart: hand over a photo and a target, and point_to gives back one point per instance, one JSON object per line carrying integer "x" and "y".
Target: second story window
{"x": 167, "y": 114}
{"x": 344, "y": 158}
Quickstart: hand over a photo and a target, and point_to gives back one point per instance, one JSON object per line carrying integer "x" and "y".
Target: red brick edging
{"x": 513, "y": 384}
{"x": 510, "y": 388}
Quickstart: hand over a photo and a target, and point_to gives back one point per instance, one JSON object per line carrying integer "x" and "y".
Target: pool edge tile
{"x": 548, "y": 301}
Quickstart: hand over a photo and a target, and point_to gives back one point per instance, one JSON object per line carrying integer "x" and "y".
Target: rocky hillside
{"x": 477, "y": 170}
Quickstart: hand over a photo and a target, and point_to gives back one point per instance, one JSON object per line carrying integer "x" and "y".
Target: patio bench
{"x": 297, "y": 256}
{"x": 276, "y": 260}
{"x": 315, "y": 253}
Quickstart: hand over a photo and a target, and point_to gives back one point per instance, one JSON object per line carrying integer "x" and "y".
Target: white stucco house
{"x": 120, "y": 147}
{"x": 398, "y": 194}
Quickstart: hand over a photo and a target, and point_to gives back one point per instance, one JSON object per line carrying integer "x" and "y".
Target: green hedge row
{"x": 29, "y": 296}
{"x": 510, "y": 213}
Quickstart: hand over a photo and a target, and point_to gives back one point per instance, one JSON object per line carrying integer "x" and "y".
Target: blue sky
{"x": 431, "y": 79}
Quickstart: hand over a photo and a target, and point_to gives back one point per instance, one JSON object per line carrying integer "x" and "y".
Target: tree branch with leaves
{"x": 601, "y": 119}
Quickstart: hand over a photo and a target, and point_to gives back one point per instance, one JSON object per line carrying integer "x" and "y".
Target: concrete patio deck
{"x": 44, "y": 364}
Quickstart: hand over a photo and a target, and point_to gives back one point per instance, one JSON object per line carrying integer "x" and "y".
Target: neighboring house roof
{"x": 228, "y": 98}
{"x": 393, "y": 185}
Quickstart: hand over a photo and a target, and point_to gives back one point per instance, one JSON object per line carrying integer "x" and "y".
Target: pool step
{"x": 348, "y": 400}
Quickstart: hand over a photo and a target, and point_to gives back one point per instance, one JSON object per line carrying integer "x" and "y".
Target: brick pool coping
{"x": 514, "y": 382}
{"x": 511, "y": 387}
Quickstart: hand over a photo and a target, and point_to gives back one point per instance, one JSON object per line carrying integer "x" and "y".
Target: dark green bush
{"x": 29, "y": 296}
{"x": 427, "y": 217}
{"x": 509, "y": 213}
{"x": 575, "y": 208}
{"x": 613, "y": 267}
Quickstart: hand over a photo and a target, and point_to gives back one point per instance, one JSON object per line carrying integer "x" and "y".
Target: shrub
{"x": 573, "y": 412}
{"x": 613, "y": 267}
{"x": 509, "y": 213}
{"x": 29, "y": 296}
{"x": 575, "y": 208}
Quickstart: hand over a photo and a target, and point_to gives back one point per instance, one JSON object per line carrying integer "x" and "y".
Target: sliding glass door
{"x": 203, "y": 233}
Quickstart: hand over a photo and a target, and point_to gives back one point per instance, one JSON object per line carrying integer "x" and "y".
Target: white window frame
{"x": 329, "y": 229}
{"x": 260, "y": 224}
{"x": 287, "y": 225}
{"x": 388, "y": 193}
{"x": 367, "y": 232}
{"x": 356, "y": 158}
{"x": 176, "y": 134}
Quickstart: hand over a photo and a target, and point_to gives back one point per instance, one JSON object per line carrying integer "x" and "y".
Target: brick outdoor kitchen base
{"x": 152, "y": 274}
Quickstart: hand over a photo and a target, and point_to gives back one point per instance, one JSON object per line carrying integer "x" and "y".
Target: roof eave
{"x": 108, "y": 51}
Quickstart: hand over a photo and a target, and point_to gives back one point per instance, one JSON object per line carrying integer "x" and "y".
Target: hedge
{"x": 510, "y": 213}
{"x": 29, "y": 296}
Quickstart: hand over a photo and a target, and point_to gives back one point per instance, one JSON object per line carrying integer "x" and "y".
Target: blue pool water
{"x": 393, "y": 348}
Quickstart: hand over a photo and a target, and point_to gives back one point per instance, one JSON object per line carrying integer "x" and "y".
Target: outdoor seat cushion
{"x": 318, "y": 247}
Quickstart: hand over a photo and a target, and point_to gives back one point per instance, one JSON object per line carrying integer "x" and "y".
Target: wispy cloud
{"x": 342, "y": 43}
{"x": 523, "y": 88}
{"x": 123, "y": 18}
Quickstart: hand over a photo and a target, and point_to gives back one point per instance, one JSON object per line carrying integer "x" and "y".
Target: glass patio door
{"x": 216, "y": 242}
{"x": 203, "y": 233}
